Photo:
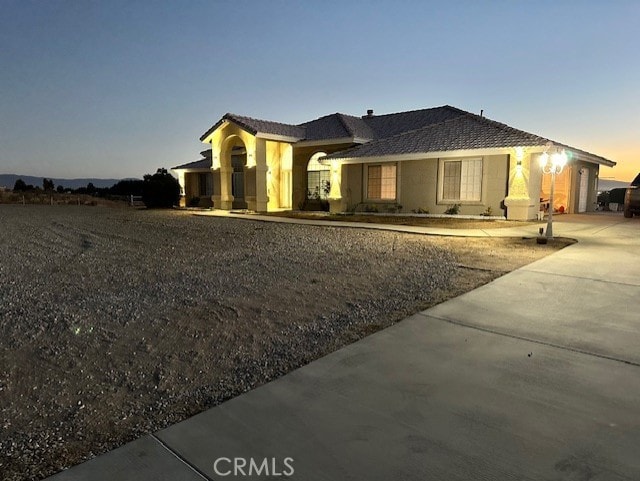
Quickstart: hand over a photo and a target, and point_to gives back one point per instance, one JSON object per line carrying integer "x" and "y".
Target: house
{"x": 427, "y": 159}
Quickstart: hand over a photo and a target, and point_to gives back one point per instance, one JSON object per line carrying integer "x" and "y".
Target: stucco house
{"x": 425, "y": 159}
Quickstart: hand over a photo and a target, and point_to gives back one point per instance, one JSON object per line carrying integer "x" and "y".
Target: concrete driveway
{"x": 535, "y": 376}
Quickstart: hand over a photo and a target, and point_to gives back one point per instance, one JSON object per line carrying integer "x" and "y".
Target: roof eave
{"x": 191, "y": 169}
{"x": 276, "y": 137}
{"x": 424, "y": 155}
{"x": 206, "y": 137}
{"x": 593, "y": 159}
{"x": 332, "y": 141}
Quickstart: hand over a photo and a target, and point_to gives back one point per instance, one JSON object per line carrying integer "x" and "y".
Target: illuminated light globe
{"x": 552, "y": 165}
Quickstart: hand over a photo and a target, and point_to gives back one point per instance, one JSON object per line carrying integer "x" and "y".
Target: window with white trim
{"x": 381, "y": 182}
{"x": 318, "y": 178}
{"x": 462, "y": 180}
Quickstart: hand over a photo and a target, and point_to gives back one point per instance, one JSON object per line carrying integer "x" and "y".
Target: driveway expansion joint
{"x": 569, "y": 276}
{"x": 176, "y": 455}
{"x": 528, "y": 339}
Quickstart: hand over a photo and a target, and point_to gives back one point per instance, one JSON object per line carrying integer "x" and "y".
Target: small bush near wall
{"x": 487, "y": 212}
{"x": 314, "y": 204}
{"x": 453, "y": 210}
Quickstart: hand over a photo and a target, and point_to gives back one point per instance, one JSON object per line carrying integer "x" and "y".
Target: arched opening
{"x": 318, "y": 178}
{"x": 235, "y": 156}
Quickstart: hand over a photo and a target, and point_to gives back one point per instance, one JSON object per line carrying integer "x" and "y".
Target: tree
{"x": 47, "y": 184}
{"x": 60, "y": 189}
{"x": 19, "y": 186}
{"x": 91, "y": 189}
{"x": 127, "y": 187}
{"x": 160, "y": 190}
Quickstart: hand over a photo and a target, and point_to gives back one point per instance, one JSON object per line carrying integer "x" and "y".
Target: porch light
{"x": 519, "y": 157}
{"x": 553, "y": 165}
{"x": 251, "y": 161}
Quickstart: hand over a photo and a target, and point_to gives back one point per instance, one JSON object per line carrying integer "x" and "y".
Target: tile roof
{"x": 198, "y": 164}
{"x": 337, "y": 126}
{"x": 358, "y": 127}
{"x": 327, "y": 127}
{"x": 468, "y": 131}
{"x": 434, "y": 129}
{"x": 388, "y": 125}
{"x": 253, "y": 126}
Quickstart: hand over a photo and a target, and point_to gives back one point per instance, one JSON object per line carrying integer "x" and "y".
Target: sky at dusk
{"x": 119, "y": 88}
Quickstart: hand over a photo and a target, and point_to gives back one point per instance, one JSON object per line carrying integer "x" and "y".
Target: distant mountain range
{"x": 9, "y": 180}
{"x": 605, "y": 185}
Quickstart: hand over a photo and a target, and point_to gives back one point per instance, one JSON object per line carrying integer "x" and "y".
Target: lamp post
{"x": 552, "y": 164}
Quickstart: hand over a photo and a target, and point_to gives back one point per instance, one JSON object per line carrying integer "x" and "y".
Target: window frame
{"x": 441, "y": 199}
{"x": 323, "y": 174}
{"x": 366, "y": 189}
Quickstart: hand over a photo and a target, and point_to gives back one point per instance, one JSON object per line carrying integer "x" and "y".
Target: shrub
{"x": 487, "y": 212}
{"x": 194, "y": 202}
{"x": 371, "y": 208}
{"x": 420, "y": 210}
{"x": 314, "y": 204}
{"x": 394, "y": 208}
{"x": 160, "y": 190}
{"x": 453, "y": 209}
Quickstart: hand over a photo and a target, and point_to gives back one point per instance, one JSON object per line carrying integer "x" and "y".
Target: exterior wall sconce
{"x": 251, "y": 160}
{"x": 552, "y": 165}
{"x": 519, "y": 157}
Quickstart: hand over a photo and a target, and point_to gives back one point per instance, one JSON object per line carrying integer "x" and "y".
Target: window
{"x": 381, "y": 182}
{"x": 462, "y": 180}
{"x": 205, "y": 185}
{"x": 318, "y": 178}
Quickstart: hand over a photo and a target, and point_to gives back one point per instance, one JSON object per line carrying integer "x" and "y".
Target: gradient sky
{"x": 119, "y": 88}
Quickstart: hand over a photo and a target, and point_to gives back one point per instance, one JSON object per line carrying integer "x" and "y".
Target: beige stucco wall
{"x": 525, "y": 181}
{"x": 267, "y": 172}
{"x": 353, "y": 185}
{"x": 419, "y": 181}
{"x": 279, "y": 158}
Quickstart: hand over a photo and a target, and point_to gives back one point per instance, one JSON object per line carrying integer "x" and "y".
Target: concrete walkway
{"x": 535, "y": 376}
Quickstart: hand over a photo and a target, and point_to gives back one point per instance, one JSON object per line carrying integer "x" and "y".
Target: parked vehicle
{"x": 632, "y": 198}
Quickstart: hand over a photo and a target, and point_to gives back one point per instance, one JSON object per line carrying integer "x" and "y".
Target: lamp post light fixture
{"x": 552, "y": 164}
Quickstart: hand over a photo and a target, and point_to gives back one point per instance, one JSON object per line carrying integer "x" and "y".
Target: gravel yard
{"x": 117, "y": 322}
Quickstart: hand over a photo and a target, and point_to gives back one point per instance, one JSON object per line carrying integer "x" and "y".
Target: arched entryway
{"x": 318, "y": 178}
{"x": 238, "y": 177}
{"x": 234, "y": 165}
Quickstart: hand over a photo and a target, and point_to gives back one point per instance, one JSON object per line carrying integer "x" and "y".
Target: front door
{"x": 237, "y": 182}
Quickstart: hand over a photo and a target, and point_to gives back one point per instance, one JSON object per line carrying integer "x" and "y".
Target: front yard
{"x": 119, "y": 322}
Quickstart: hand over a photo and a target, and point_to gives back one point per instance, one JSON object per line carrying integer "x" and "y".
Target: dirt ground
{"x": 118, "y": 322}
